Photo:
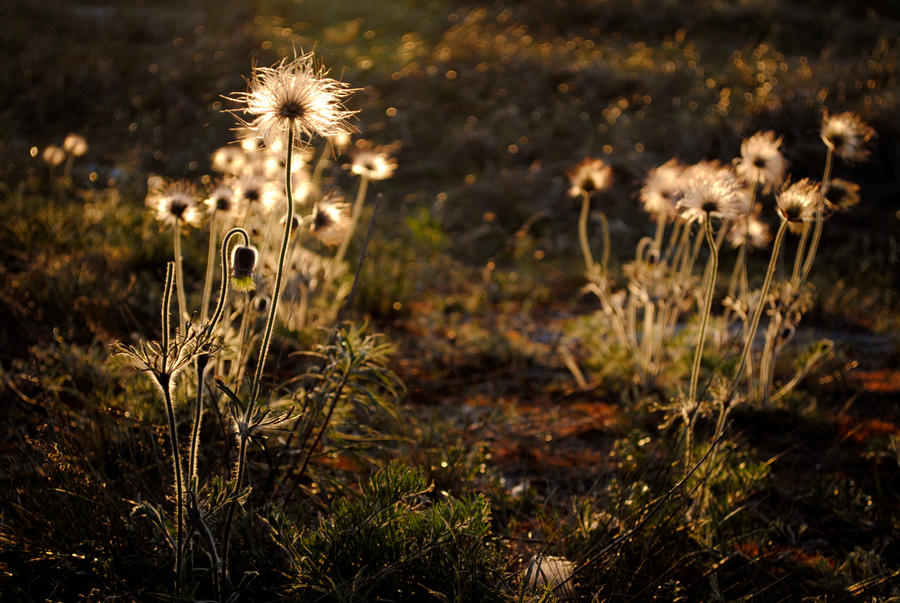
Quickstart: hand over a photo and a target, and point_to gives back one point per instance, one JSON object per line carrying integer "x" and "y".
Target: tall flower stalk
{"x": 370, "y": 162}
{"x": 757, "y": 312}
{"x": 164, "y": 360}
{"x": 179, "y": 278}
{"x": 202, "y": 360}
{"x": 588, "y": 177}
{"x": 165, "y": 382}
{"x": 210, "y": 259}
{"x": 244, "y": 432}
{"x": 297, "y": 99}
{"x": 175, "y": 202}
{"x": 707, "y": 309}
{"x": 354, "y": 218}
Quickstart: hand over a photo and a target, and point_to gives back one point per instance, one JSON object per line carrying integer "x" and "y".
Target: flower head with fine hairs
{"x": 372, "y": 161}
{"x": 589, "y": 176}
{"x": 761, "y": 161}
{"x": 221, "y": 199}
{"x": 797, "y": 203}
{"x": 752, "y": 230}
{"x": 712, "y": 191}
{"x": 330, "y": 220}
{"x": 252, "y": 189}
{"x": 846, "y": 134}
{"x": 841, "y": 194}
{"x": 663, "y": 188}
{"x": 176, "y": 200}
{"x": 228, "y": 160}
{"x": 294, "y": 94}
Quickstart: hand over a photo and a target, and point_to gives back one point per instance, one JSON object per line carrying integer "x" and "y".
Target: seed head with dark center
{"x": 297, "y": 95}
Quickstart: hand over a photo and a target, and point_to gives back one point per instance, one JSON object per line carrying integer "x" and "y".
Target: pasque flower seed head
{"x": 294, "y": 94}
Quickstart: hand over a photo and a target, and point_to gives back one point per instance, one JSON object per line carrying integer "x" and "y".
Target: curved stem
{"x": 202, "y": 360}
{"x": 735, "y": 281}
{"x": 798, "y": 257}
{"x": 582, "y": 232}
{"x": 673, "y": 246}
{"x": 223, "y": 287}
{"x": 354, "y": 218}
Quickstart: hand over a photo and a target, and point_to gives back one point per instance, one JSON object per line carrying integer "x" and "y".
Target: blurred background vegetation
{"x": 491, "y": 102}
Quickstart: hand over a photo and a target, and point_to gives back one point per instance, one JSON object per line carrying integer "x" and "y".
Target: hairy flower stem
{"x": 757, "y": 312}
{"x": 710, "y": 290}
{"x": 199, "y": 367}
{"x": 202, "y": 360}
{"x": 279, "y": 274}
{"x": 693, "y": 405}
{"x": 738, "y": 280}
{"x": 582, "y": 232}
{"x": 817, "y": 235}
{"x": 179, "y": 485}
{"x": 164, "y": 379}
{"x": 179, "y": 280}
{"x": 210, "y": 268}
{"x": 354, "y": 218}
{"x": 263, "y": 351}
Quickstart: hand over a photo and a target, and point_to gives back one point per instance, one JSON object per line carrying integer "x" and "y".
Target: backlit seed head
{"x": 330, "y": 220}
{"x": 373, "y": 161}
{"x": 750, "y": 230}
{"x": 761, "y": 162}
{"x": 712, "y": 191}
{"x": 846, "y": 134}
{"x": 589, "y": 176}
{"x": 294, "y": 94}
{"x": 53, "y": 155}
{"x": 175, "y": 200}
{"x": 662, "y": 189}
{"x": 75, "y": 145}
{"x": 842, "y": 194}
{"x": 221, "y": 199}
{"x": 261, "y": 303}
{"x": 228, "y": 160}
{"x": 798, "y": 202}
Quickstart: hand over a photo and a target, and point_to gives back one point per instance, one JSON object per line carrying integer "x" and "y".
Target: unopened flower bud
{"x": 243, "y": 262}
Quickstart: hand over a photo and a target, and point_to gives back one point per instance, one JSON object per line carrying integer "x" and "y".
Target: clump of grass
{"x": 399, "y": 539}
